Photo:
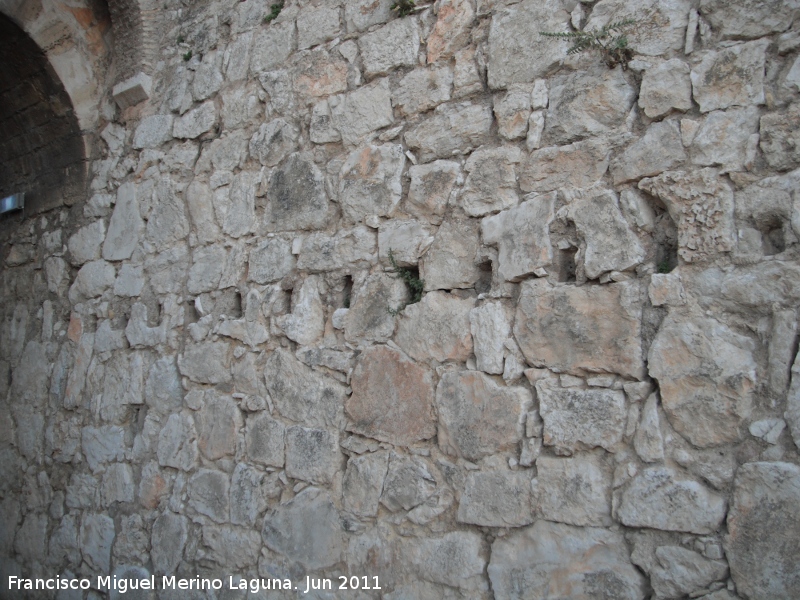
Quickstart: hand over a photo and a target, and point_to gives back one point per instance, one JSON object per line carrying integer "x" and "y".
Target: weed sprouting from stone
{"x": 275, "y": 10}
{"x": 414, "y": 284}
{"x": 611, "y": 41}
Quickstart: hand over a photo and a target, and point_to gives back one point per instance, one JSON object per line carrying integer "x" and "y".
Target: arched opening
{"x": 42, "y": 152}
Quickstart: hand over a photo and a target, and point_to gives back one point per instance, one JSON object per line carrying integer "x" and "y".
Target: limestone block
{"x": 496, "y": 499}
{"x": 232, "y": 547}
{"x": 306, "y": 323}
{"x": 273, "y": 141}
{"x": 93, "y": 279}
{"x": 102, "y": 444}
{"x": 207, "y": 76}
{"x": 369, "y": 318}
{"x": 492, "y": 183}
{"x": 666, "y": 289}
{"x": 85, "y": 244}
{"x": 308, "y": 516}
{"x": 522, "y": 235}
{"x": 763, "y": 530}
{"x": 96, "y": 538}
{"x": 302, "y": 394}
{"x": 682, "y": 572}
{"x": 648, "y": 441}
{"x": 362, "y": 14}
{"x": 707, "y": 375}
{"x": 163, "y": 392}
{"x": 466, "y": 79}
{"x": 780, "y": 138}
{"x": 661, "y": 498}
{"x": 576, "y": 491}
{"x": 177, "y": 443}
{"x": 408, "y": 239}
{"x": 610, "y": 244}
{"x": 296, "y": 196}
{"x": 723, "y": 138}
{"x": 477, "y": 416}
{"x": 733, "y": 76}
{"x": 319, "y": 73}
{"x": 436, "y": 328}
{"x": 272, "y": 46}
{"x": 660, "y": 149}
{"x": 452, "y": 129}
{"x": 153, "y": 131}
{"x": 117, "y": 484}
{"x": 209, "y": 494}
{"x": 423, "y": 89}
{"x": 407, "y": 484}
{"x": 218, "y": 424}
{"x": 167, "y": 223}
{"x": 688, "y": 195}
{"x": 321, "y": 129}
{"x": 347, "y": 248}
{"x": 550, "y": 321}
{"x": 394, "y": 45}
{"x": 369, "y": 181}
{"x": 792, "y": 414}
{"x": 560, "y": 559}
{"x": 490, "y": 324}
{"x": 363, "y": 483}
{"x": 133, "y": 90}
{"x": 512, "y": 57}
{"x": 456, "y": 559}
{"x": 586, "y": 104}
{"x": 196, "y": 122}
{"x": 392, "y": 398}
{"x": 430, "y": 189}
{"x": 450, "y": 261}
{"x": 270, "y": 261}
{"x": 362, "y": 111}
{"x": 64, "y": 546}
{"x": 317, "y": 25}
{"x": 236, "y": 60}
{"x": 130, "y": 281}
{"x": 206, "y": 362}
{"x": 594, "y": 417}
{"x": 577, "y": 165}
{"x": 264, "y": 439}
{"x": 451, "y": 32}
{"x": 512, "y": 111}
{"x": 666, "y": 86}
{"x": 312, "y": 454}
{"x": 749, "y": 18}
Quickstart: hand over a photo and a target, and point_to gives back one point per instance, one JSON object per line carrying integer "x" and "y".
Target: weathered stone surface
{"x": 369, "y": 182}
{"x": 312, "y": 454}
{"x": 408, "y": 239}
{"x": 660, "y": 498}
{"x": 362, "y": 111}
{"x": 780, "y": 140}
{"x": 407, "y": 484}
{"x": 648, "y": 441}
{"x": 658, "y": 150}
{"x": 610, "y": 244}
{"x": 296, "y": 194}
{"x": 576, "y": 491}
{"x": 577, "y": 165}
{"x": 169, "y": 537}
{"x": 453, "y": 128}
{"x": 666, "y": 86}
{"x": 177, "y": 443}
{"x": 496, "y": 499}
{"x": 512, "y": 111}
{"x": 437, "y": 327}
{"x": 306, "y": 530}
{"x": 218, "y": 423}
{"x": 763, "y": 542}
{"x": 363, "y": 483}
{"x": 318, "y": 74}
{"x": 392, "y": 398}
{"x": 451, "y": 31}
{"x": 272, "y": 46}
{"x": 477, "y": 416}
{"x": 85, "y": 244}
{"x": 117, "y": 484}
{"x": 264, "y": 439}
{"x": 706, "y": 372}
{"x": 551, "y": 327}
{"x": 209, "y": 494}
{"x": 394, "y": 45}
{"x": 423, "y": 89}
{"x": 492, "y": 182}
{"x": 792, "y": 414}
{"x": 206, "y": 362}
{"x": 300, "y": 393}
{"x": 490, "y": 324}
{"x": 584, "y": 104}
{"x": 748, "y": 18}
{"x": 430, "y": 189}
{"x": 153, "y": 131}
{"x": 456, "y": 559}
{"x": 96, "y": 538}
{"x": 361, "y": 14}
{"x": 733, "y": 76}
{"x": 369, "y": 318}
{"x": 201, "y": 210}
{"x": 450, "y": 261}
{"x": 724, "y": 137}
{"x": 167, "y": 223}
{"x": 347, "y": 248}
{"x": 682, "y": 572}
{"x": 270, "y": 261}
{"x": 196, "y": 122}
{"x": 103, "y": 444}
{"x": 317, "y": 25}
{"x": 273, "y": 142}
{"x": 594, "y": 417}
{"x": 522, "y": 236}
{"x": 512, "y": 59}
{"x": 556, "y": 560}
{"x": 669, "y": 18}
{"x": 701, "y": 205}
{"x": 31, "y": 540}
{"x": 321, "y": 129}
{"x": 93, "y": 279}
{"x": 306, "y": 323}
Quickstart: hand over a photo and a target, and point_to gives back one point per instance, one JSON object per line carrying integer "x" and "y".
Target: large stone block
{"x": 453, "y": 128}
{"x": 394, "y": 45}
{"x": 452, "y": 29}
{"x": 496, "y": 499}
{"x": 492, "y": 182}
{"x": 423, "y": 89}
{"x": 436, "y": 328}
{"x": 392, "y": 398}
{"x": 780, "y": 138}
{"x": 450, "y": 261}
{"x": 296, "y": 196}
{"x": 369, "y": 182}
{"x": 572, "y": 328}
{"x": 218, "y": 422}
{"x": 578, "y": 165}
{"x": 362, "y": 111}
{"x": 725, "y": 138}
{"x": 368, "y": 318}
{"x": 209, "y": 494}
{"x": 666, "y": 86}
{"x": 576, "y": 491}
{"x": 363, "y": 483}
{"x": 407, "y": 484}
{"x": 264, "y": 440}
{"x": 312, "y": 454}
{"x": 749, "y": 18}
{"x": 477, "y": 416}
{"x": 658, "y": 150}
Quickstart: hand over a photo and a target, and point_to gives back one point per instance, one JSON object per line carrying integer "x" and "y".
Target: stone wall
{"x": 209, "y": 367}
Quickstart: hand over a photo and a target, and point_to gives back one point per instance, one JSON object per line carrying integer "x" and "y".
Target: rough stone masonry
{"x": 598, "y": 395}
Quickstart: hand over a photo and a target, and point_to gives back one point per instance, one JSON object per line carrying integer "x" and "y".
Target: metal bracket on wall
{"x": 13, "y": 202}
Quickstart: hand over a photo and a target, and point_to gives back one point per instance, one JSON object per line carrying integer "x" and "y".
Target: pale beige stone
{"x": 436, "y": 328}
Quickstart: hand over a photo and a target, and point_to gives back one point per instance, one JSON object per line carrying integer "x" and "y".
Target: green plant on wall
{"x": 414, "y": 284}
{"x": 403, "y": 7}
{"x": 275, "y": 10}
{"x": 611, "y": 41}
